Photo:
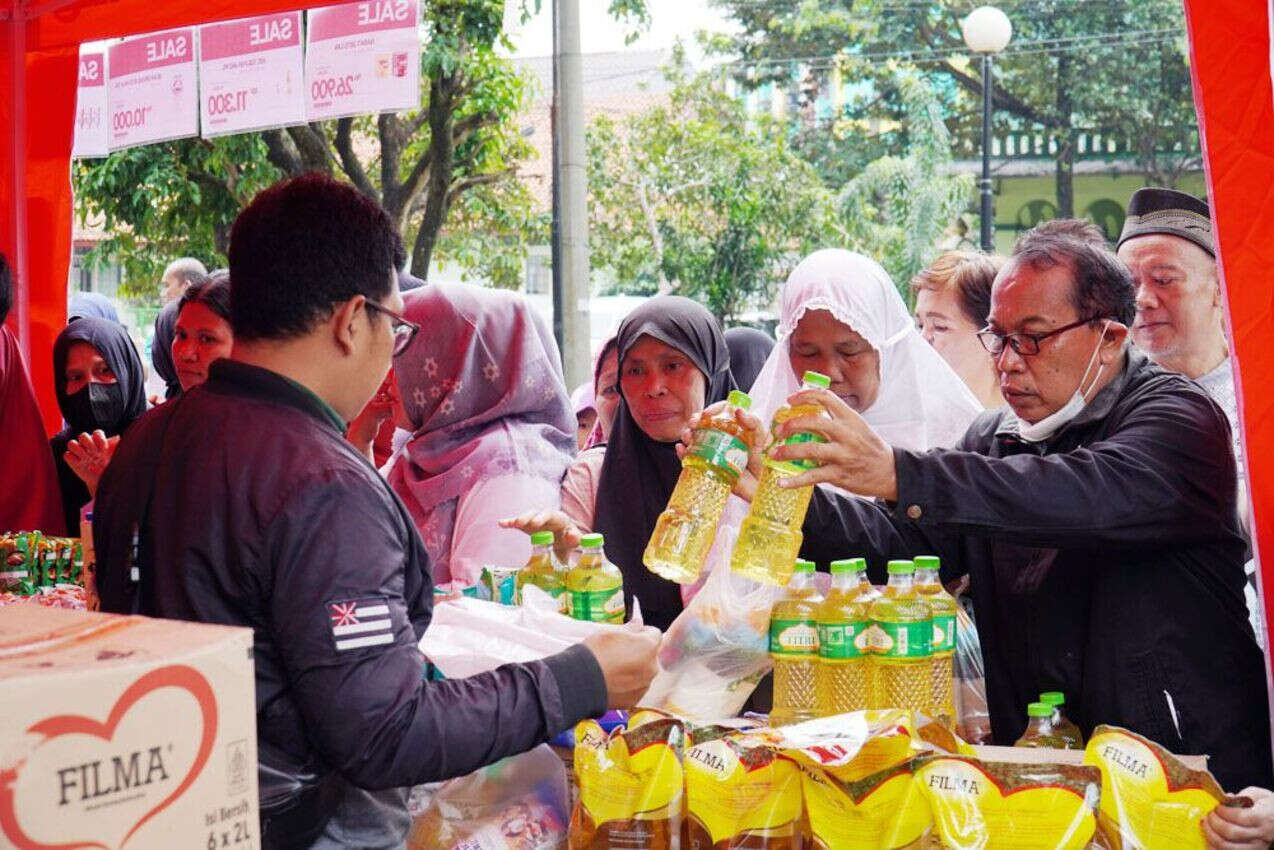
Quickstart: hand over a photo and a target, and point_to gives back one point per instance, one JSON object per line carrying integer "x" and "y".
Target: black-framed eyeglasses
{"x": 404, "y": 330}
{"x": 1024, "y": 344}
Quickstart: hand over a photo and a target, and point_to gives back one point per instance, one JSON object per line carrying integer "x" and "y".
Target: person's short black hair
{"x": 1103, "y": 284}
{"x": 1076, "y": 228}
{"x": 303, "y": 246}
{"x": 212, "y": 291}
{"x": 6, "y": 288}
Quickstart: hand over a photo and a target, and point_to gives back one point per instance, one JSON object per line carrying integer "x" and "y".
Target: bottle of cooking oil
{"x": 901, "y": 636}
{"x": 685, "y": 530}
{"x": 770, "y": 537}
{"x": 1068, "y": 731}
{"x": 794, "y": 648}
{"x": 543, "y": 570}
{"x": 844, "y": 670}
{"x": 942, "y": 646}
{"x": 1040, "y": 731}
{"x": 594, "y": 586}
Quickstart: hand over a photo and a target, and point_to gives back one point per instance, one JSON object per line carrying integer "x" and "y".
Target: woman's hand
{"x": 745, "y": 485}
{"x": 854, "y": 457}
{"x": 566, "y": 534}
{"x": 88, "y": 456}
{"x": 1234, "y": 828}
{"x": 363, "y": 427}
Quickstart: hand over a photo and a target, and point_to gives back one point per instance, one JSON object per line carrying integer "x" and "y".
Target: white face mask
{"x": 1054, "y": 422}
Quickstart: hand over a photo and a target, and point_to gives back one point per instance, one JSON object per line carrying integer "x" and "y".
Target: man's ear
{"x": 344, "y": 323}
{"x": 1112, "y": 347}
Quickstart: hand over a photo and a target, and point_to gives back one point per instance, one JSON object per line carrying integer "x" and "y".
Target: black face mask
{"x": 96, "y": 406}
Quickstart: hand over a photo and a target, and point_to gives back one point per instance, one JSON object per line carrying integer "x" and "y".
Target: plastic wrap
{"x": 973, "y": 720}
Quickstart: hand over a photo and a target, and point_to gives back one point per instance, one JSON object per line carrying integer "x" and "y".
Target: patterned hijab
{"x": 482, "y": 385}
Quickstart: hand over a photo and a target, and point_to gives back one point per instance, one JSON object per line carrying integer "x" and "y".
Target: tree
{"x": 180, "y": 198}
{"x": 690, "y": 197}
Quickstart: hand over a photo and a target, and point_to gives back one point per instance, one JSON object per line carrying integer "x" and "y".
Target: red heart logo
{"x": 174, "y": 676}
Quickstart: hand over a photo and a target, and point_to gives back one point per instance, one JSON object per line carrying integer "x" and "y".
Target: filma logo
{"x": 94, "y": 780}
{"x": 1125, "y": 760}
{"x": 956, "y": 784}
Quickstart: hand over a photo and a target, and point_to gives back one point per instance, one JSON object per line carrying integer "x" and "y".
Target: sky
{"x": 599, "y": 33}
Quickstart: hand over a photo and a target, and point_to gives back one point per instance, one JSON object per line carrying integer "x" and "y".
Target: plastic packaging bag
{"x": 885, "y": 810}
{"x": 973, "y": 721}
{"x": 741, "y": 792}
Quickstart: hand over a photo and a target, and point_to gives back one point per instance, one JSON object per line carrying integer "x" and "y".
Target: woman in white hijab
{"x": 841, "y": 315}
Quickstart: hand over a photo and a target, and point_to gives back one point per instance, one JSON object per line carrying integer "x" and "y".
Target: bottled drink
{"x": 901, "y": 635}
{"x": 942, "y": 647}
{"x": 794, "y": 648}
{"x": 685, "y": 530}
{"x": 844, "y": 669}
{"x": 1068, "y": 731}
{"x": 1039, "y": 728}
{"x": 594, "y": 586}
{"x": 770, "y": 537}
{"x": 543, "y": 570}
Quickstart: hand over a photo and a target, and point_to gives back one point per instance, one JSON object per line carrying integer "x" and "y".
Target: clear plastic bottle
{"x": 543, "y": 570}
{"x": 594, "y": 586}
{"x": 844, "y": 669}
{"x": 770, "y": 536}
{"x": 794, "y": 648}
{"x": 1068, "y": 731}
{"x": 1040, "y": 732}
{"x": 684, "y": 532}
{"x": 901, "y": 630}
{"x": 942, "y": 647}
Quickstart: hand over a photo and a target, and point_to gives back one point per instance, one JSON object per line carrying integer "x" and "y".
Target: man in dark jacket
{"x": 1094, "y": 516}
{"x": 242, "y": 503}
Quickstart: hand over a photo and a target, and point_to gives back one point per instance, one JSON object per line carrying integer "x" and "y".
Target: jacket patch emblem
{"x": 357, "y": 623}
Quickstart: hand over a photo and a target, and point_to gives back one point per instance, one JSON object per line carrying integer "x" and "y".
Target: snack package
{"x": 631, "y": 785}
{"x": 883, "y": 811}
{"x": 741, "y": 792}
{"x": 1000, "y": 806}
{"x": 1149, "y": 799}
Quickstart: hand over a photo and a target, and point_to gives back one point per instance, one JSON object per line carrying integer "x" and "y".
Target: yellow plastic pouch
{"x": 740, "y": 793}
{"x": 999, "y": 806}
{"x": 630, "y": 785}
{"x": 856, "y": 745}
{"x": 1149, "y": 799}
{"x": 885, "y": 811}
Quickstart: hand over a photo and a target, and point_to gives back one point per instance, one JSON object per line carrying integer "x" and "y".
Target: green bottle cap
{"x": 803, "y": 566}
{"x": 542, "y": 538}
{"x": 591, "y": 541}
{"x": 1056, "y": 698}
{"x": 900, "y": 568}
{"x": 1039, "y": 709}
{"x": 926, "y": 562}
{"x": 817, "y": 379}
{"x": 740, "y": 399}
{"x": 849, "y": 565}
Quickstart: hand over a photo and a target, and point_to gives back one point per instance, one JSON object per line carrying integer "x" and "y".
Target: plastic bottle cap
{"x": 804, "y": 567}
{"x": 740, "y": 399}
{"x": 1056, "y": 698}
{"x": 817, "y": 379}
{"x": 849, "y": 565}
{"x": 927, "y": 562}
{"x": 542, "y": 538}
{"x": 1039, "y": 709}
{"x": 592, "y": 541}
{"x": 900, "y": 568}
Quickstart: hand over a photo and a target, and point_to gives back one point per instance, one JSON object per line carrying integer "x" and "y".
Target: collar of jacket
{"x": 230, "y": 377}
{"x": 1094, "y": 411}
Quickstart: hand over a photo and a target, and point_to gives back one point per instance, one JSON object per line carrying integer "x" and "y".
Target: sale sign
{"x": 251, "y": 74}
{"x": 91, "y": 137}
{"x": 153, "y": 89}
{"x": 362, "y": 58}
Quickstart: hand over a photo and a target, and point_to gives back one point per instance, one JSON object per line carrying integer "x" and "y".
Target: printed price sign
{"x": 91, "y": 137}
{"x": 153, "y": 89}
{"x": 251, "y": 74}
{"x": 362, "y": 58}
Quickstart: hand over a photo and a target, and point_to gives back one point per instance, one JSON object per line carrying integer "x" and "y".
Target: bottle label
{"x": 902, "y": 641}
{"x": 838, "y": 641}
{"x": 596, "y": 606}
{"x": 797, "y": 465}
{"x": 794, "y": 638}
{"x": 721, "y": 449}
{"x": 944, "y": 633}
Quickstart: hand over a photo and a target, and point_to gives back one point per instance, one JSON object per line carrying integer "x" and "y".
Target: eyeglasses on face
{"x": 404, "y": 331}
{"x": 1025, "y": 344}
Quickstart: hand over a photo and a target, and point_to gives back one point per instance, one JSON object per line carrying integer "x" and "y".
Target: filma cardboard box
{"x": 125, "y": 732}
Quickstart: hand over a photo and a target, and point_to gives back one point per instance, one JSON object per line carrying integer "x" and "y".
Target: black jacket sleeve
{"x": 366, "y": 709}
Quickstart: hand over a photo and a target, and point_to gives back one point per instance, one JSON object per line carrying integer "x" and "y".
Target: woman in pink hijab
{"x": 481, "y": 390}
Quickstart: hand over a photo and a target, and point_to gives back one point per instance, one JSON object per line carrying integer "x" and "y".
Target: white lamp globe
{"x": 987, "y": 30}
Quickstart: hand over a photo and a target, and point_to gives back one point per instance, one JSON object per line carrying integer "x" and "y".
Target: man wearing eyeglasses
{"x": 1094, "y": 517}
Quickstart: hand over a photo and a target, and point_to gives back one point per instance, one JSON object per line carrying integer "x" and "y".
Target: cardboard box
{"x": 125, "y": 732}
{"x": 1031, "y": 755}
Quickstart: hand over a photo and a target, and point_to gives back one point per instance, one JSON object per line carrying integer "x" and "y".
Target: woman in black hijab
{"x": 749, "y": 349}
{"x": 100, "y": 387}
{"x": 161, "y": 349}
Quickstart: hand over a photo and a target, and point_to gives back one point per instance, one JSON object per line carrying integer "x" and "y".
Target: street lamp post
{"x": 986, "y": 31}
